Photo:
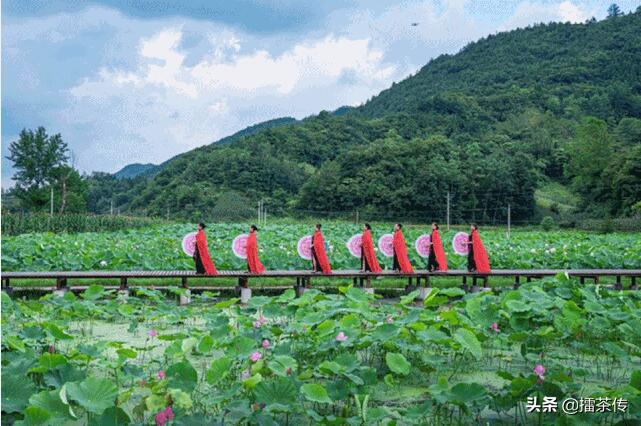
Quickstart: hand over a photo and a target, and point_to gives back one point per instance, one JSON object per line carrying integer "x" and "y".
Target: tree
{"x": 71, "y": 191}
{"x": 614, "y": 10}
{"x": 589, "y": 153}
{"x": 36, "y": 157}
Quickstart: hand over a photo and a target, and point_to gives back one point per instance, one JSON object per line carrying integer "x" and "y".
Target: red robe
{"x": 255, "y": 267}
{"x": 368, "y": 251}
{"x": 480, "y": 255}
{"x": 437, "y": 246}
{"x": 400, "y": 250}
{"x": 203, "y": 253}
{"x": 319, "y": 251}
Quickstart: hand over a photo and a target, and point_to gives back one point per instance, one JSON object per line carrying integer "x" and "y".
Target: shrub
{"x": 548, "y": 223}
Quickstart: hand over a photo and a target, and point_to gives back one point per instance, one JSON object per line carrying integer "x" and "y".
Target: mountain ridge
{"x": 490, "y": 121}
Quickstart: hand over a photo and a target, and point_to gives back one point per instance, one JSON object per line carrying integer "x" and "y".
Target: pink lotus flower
{"x": 51, "y": 349}
{"x": 153, "y": 333}
{"x": 390, "y": 319}
{"x": 262, "y": 319}
{"x": 265, "y": 344}
{"x": 161, "y": 374}
{"x": 163, "y": 416}
{"x": 539, "y": 370}
{"x": 256, "y": 356}
{"x": 495, "y": 327}
{"x": 341, "y": 337}
{"x": 257, "y": 324}
{"x": 169, "y": 413}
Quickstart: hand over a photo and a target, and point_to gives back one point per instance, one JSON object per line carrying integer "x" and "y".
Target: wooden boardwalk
{"x": 304, "y": 278}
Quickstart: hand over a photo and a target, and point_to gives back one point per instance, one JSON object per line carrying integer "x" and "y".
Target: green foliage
{"x": 547, "y": 223}
{"x": 402, "y": 362}
{"x": 159, "y": 248}
{"x": 559, "y": 100}
{"x": 16, "y": 224}
{"x": 93, "y": 394}
{"x": 36, "y": 156}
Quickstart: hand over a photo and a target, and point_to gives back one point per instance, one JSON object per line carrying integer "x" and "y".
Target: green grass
{"x": 554, "y": 193}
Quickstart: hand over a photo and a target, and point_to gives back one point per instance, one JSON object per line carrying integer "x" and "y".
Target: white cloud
{"x": 165, "y": 107}
{"x": 528, "y": 13}
{"x": 141, "y": 90}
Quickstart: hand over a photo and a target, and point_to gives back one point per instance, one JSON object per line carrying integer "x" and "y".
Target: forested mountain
{"x": 509, "y": 112}
{"x": 136, "y": 169}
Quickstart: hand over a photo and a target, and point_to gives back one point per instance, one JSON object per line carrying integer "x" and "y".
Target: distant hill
{"x": 136, "y": 169}
{"x": 269, "y": 124}
{"x": 508, "y": 113}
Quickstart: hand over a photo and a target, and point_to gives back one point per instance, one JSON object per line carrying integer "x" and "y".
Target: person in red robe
{"x": 477, "y": 260}
{"x": 436, "y": 260}
{"x": 369, "y": 262}
{"x": 204, "y": 265}
{"x": 401, "y": 261}
{"x": 253, "y": 262}
{"x": 320, "y": 263}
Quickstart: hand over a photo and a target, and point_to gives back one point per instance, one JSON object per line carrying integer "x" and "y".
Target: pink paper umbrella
{"x": 459, "y": 244}
{"x": 304, "y": 247}
{"x": 422, "y": 245}
{"x": 189, "y": 244}
{"x": 354, "y": 245}
{"x": 239, "y": 246}
{"x": 385, "y": 245}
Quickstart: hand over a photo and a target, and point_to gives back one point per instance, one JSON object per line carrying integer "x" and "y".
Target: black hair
{"x": 399, "y": 226}
{"x": 436, "y": 225}
{"x": 474, "y": 226}
{"x": 254, "y": 227}
{"x": 202, "y": 225}
{"x": 368, "y": 227}
{"x": 318, "y": 225}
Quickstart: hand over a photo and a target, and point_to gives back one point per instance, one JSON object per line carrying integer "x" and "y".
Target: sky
{"x": 142, "y": 81}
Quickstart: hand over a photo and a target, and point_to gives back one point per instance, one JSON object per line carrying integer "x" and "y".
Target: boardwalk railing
{"x": 303, "y": 278}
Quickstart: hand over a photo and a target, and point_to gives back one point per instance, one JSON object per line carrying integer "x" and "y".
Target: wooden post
{"x": 509, "y": 220}
{"x": 123, "y": 283}
{"x": 6, "y": 286}
{"x": 618, "y": 285}
{"x": 183, "y": 281}
{"x": 517, "y": 281}
{"x": 633, "y": 284}
{"x": 448, "y": 210}
{"x": 582, "y": 280}
{"x": 61, "y": 283}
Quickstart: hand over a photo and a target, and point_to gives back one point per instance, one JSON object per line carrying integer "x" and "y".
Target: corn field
{"x": 15, "y": 224}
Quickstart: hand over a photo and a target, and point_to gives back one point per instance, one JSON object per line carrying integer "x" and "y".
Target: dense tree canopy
{"x": 559, "y": 102}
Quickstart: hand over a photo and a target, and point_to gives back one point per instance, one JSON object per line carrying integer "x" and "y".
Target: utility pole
{"x": 111, "y": 209}
{"x": 51, "y": 204}
{"x": 509, "y": 219}
{"x": 448, "y": 210}
{"x": 259, "y": 211}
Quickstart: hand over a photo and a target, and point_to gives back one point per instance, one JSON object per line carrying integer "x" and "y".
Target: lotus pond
{"x": 160, "y": 248}
{"x": 346, "y": 358}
